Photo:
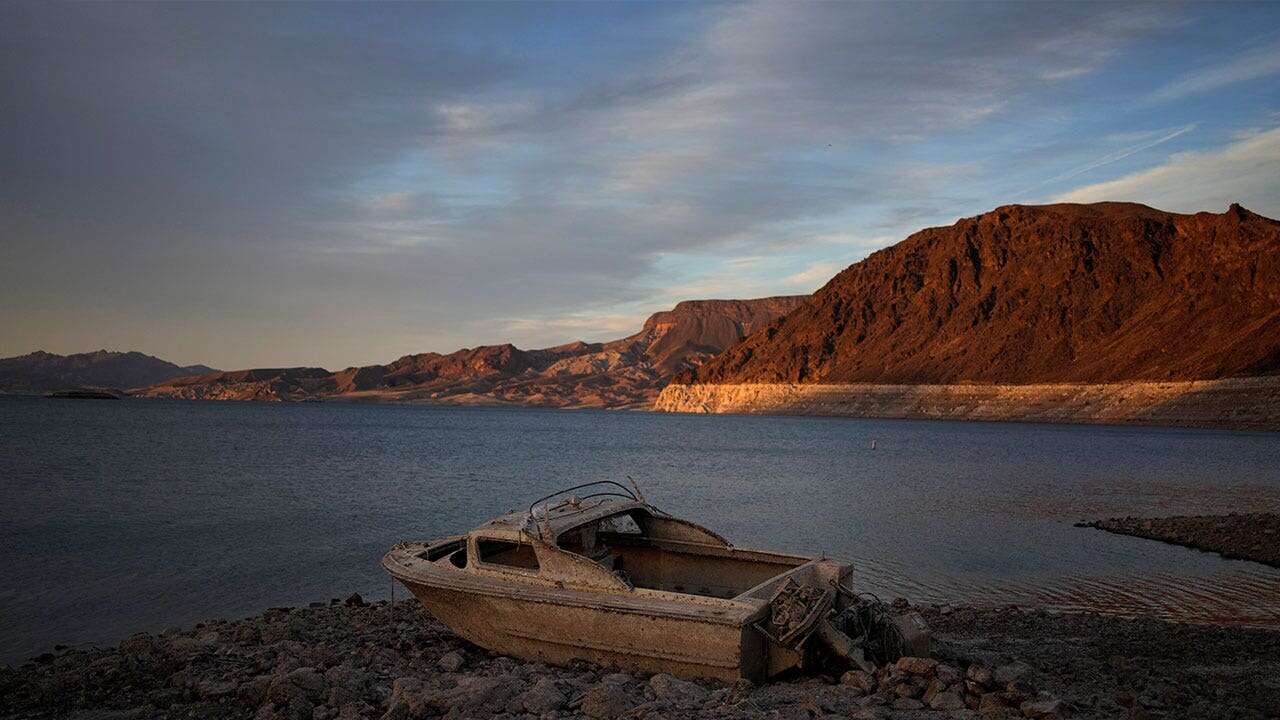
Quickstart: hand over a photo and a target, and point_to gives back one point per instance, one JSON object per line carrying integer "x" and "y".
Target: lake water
{"x": 119, "y": 517}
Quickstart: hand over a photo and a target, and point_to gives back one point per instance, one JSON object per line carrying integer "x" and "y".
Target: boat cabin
{"x": 620, "y": 544}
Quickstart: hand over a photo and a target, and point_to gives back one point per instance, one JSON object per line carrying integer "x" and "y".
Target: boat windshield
{"x": 598, "y": 539}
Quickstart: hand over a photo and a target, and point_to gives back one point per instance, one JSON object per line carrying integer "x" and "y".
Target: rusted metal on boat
{"x": 609, "y": 578}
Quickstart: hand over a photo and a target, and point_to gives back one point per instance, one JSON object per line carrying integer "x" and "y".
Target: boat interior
{"x": 640, "y": 547}
{"x": 648, "y": 549}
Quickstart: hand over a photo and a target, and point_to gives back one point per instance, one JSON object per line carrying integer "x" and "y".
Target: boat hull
{"x": 561, "y": 630}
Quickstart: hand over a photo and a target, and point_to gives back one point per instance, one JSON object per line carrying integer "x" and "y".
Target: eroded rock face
{"x": 623, "y": 373}
{"x": 1096, "y": 293}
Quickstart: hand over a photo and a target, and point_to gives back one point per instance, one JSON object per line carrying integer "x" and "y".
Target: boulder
{"x": 310, "y": 682}
{"x": 948, "y": 674}
{"x": 605, "y": 701}
{"x": 947, "y": 700}
{"x": 980, "y": 675}
{"x": 861, "y": 681}
{"x": 451, "y": 662}
{"x": 918, "y": 666}
{"x": 407, "y": 698}
{"x": 675, "y": 691}
{"x": 543, "y": 697}
{"x": 479, "y": 695}
{"x": 991, "y": 703}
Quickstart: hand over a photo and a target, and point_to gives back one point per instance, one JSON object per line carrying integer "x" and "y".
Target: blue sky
{"x": 257, "y": 185}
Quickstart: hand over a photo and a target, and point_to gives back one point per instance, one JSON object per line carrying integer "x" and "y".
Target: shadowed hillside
{"x": 40, "y": 371}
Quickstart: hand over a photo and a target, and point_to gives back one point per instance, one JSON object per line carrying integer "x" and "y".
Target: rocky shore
{"x": 356, "y": 660}
{"x": 1237, "y": 536}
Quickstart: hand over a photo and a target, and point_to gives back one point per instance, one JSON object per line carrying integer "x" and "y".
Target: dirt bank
{"x": 394, "y": 661}
{"x": 1238, "y": 536}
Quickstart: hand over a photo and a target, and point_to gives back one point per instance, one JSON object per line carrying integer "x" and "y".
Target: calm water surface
{"x": 118, "y": 517}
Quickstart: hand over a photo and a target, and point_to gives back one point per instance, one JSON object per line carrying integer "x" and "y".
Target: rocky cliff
{"x": 1057, "y": 293}
{"x": 628, "y": 372}
{"x": 40, "y": 371}
{"x": 1080, "y": 313}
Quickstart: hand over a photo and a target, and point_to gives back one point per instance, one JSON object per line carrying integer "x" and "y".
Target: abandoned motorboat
{"x": 607, "y": 577}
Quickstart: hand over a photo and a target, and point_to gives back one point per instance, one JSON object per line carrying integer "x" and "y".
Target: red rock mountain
{"x": 1030, "y": 294}
{"x": 43, "y": 372}
{"x": 623, "y": 373}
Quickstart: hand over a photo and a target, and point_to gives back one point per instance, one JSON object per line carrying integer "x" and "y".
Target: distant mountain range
{"x": 622, "y": 373}
{"x": 41, "y": 372}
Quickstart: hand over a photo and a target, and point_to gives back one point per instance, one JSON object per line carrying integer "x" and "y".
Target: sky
{"x": 260, "y": 185}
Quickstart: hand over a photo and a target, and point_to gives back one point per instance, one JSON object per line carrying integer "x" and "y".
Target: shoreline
{"x": 348, "y": 660}
{"x": 1235, "y": 536}
{"x": 1250, "y": 404}
{"x": 699, "y": 400}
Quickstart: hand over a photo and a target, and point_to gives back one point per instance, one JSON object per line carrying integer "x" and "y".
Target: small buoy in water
{"x": 873, "y": 444}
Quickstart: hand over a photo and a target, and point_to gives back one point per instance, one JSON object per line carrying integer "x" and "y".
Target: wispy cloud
{"x": 1250, "y": 65}
{"x": 1245, "y": 171}
{"x": 1145, "y": 141}
{"x": 813, "y": 276}
{"x": 416, "y": 177}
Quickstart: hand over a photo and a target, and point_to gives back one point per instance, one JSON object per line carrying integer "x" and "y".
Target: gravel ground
{"x": 354, "y": 660}
{"x": 1238, "y": 536}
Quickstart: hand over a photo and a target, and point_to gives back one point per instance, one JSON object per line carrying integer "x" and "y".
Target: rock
{"x": 281, "y": 692}
{"x": 907, "y": 704}
{"x": 947, "y": 700}
{"x": 908, "y": 690}
{"x": 253, "y": 692}
{"x": 1012, "y": 672}
{"x": 397, "y": 710}
{"x": 918, "y": 666}
{"x": 605, "y": 701}
{"x": 677, "y": 692}
{"x": 543, "y": 697}
{"x": 934, "y": 687}
{"x": 1018, "y": 691}
{"x": 354, "y": 600}
{"x": 451, "y": 662}
{"x": 991, "y": 703}
{"x": 948, "y": 674}
{"x": 980, "y": 675}
{"x": 859, "y": 680}
{"x": 407, "y": 692}
{"x": 346, "y": 676}
{"x": 354, "y": 711}
{"x": 880, "y": 698}
{"x": 1049, "y": 708}
{"x": 478, "y": 695}
{"x": 310, "y": 682}
{"x": 216, "y": 689}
